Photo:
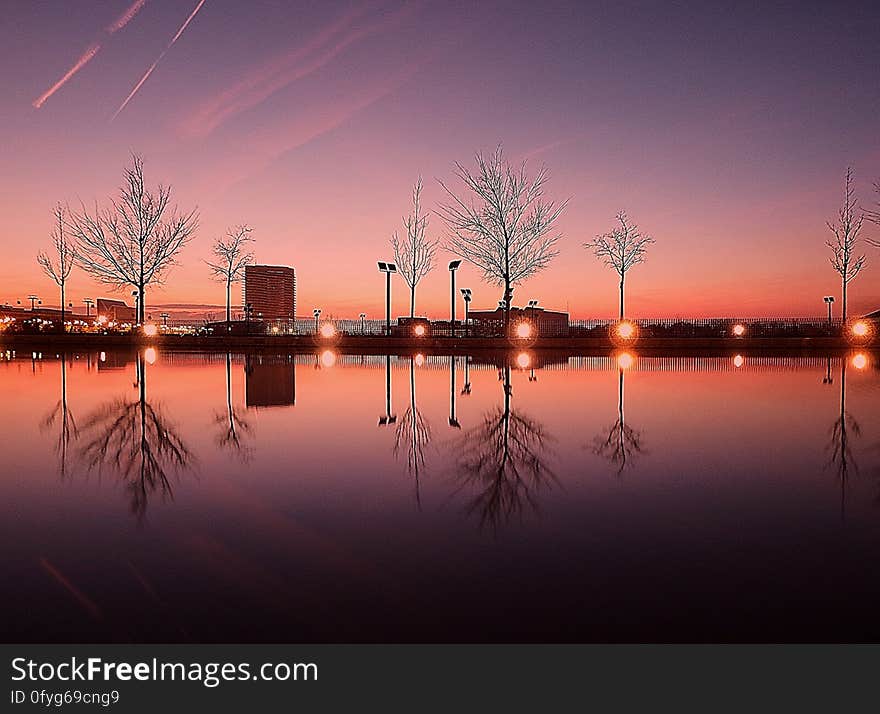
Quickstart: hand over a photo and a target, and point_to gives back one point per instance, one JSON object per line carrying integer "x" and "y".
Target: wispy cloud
{"x": 158, "y": 59}
{"x": 126, "y": 17}
{"x": 83, "y": 60}
{"x": 288, "y": 67}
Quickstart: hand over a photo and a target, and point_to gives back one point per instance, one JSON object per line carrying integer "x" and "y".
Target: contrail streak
{"x": 78, "y": 65}
{"x": 126, "y": 17}
{"x": 158, "y": 59}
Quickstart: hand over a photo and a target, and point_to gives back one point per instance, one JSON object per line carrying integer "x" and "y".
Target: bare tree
{"x": 873, "y": 215}
{"x": 135, "y": 241}
{"x": 621, "y": 248}
{"x": 414, "y": 252}
{"x": 506, "y": 227}
{"x": 846, "y": 235}
{"x": 232, "y": 257}
{"x": 58, "y": 268}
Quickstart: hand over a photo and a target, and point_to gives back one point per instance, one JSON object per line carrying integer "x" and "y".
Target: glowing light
{"x": 103, "y": 356}
{"x": 625, "y": 360}
{"x": 524, "y": 330}
{"x": 150, "y": 330}
{"x": 738, "y": 361}
{"x": 150, "y": 355}
{"x": 420, "y": 360}
{"x": 523, "y": 360}
{"x": 860, "y": 329}
{"x": 419, "y": 330}
{"x": 860, "y": 361}
{"x": 739, "y": 330}
{"x": 275, "y": 329}
{"x": 328, "y": 330}
{"x": 102, "y": 320}
{"x": 626, "y": 330}
{"x": 328, "y": 358}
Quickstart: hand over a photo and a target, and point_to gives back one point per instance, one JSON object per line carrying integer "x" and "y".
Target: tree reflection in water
{"x": 844, "y": 428}
{"x": 234, "y": 430}
{"x": 132, "y": 438}
{"x": 62, "y": 417}
{"x": 413, "y": 435}
{"x": 622, "y": 442}
{"x": 504, "y": 460}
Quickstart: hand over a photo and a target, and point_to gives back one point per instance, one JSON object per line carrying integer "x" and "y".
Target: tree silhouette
{"x": 844, "y": 428}
{"x": 133, "y": 438}
{"x": 621, "y": 248}
{"x": 504, "y": 459}
{"x": 58, "y": 268}
{"x": 413, "y": 435}
{"x": 846, "y": 230}
{"x": 873, "y": 215}
{"x": 621, "y": 443}
{"x": 414, "y": 251}
{"x": 231, "y": 257}
{"x": 505, "y": 227}
{"x": 136, "y": 240}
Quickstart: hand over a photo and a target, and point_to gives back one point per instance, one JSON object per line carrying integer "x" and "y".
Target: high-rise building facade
{"x": 270, "y": 290}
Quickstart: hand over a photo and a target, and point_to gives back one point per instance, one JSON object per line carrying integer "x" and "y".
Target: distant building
{"x": 548, "y": 323}
{"x": 114, "y": 311}
{"x": 270, "y": 290}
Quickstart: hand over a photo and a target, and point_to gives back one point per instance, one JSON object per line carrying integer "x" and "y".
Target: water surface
{"x": 522, "y": 497}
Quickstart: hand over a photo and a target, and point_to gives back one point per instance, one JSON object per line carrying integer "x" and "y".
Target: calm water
{"x": 187, "y": 497}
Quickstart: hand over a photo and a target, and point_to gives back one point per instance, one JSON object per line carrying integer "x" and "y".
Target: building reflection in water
{"x": 621, "y": 443}
{"x": 134, "y": 440}
{"x": 503, "y": 461}
{"x": 270, "y": 381}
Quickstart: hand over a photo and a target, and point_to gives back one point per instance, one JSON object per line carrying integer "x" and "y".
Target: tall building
{"x": 270, "y": 290}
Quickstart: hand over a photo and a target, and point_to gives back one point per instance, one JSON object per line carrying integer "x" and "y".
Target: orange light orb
{"x": 420, "y": 330}
{"x": 328, "y": 358}
{"x": 150, "y": 355}
{"x": 420, "y": 360}
{"x": 625, "y": 360}
{"x": 738, "y": 361}
{"x": 860, "y": 329}
{"x": 328, "y": 330}
{"x": 626, "y": 330}
{"x": 739, "y": 330}
{"x": 523, "y": 360}
{"x": 524, "y": 330}
{"x": 150, "y": 330}
{"x": 860, "y": 361}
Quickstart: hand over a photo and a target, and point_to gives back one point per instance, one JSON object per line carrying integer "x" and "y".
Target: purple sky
{"x": 724, "y": 131}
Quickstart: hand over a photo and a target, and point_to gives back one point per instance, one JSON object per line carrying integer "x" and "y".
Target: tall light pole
{"x": 165, "y": 317}
{"x": 88, "y": 303}
{"x": 453, "y": 266}
{"x": 466, "y": 296}
{"x": 363, "y": 317}
{"x": 35, "y": 300}
{"x": 387, "y": 268}
{"x": 829, "y": 301}
{"x": 317, "y": 313}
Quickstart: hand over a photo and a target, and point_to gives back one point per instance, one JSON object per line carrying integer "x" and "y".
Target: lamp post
{"x": 88, "y": 303}
{"x": 34, "y": 301}
{"x": 829, "y": 301}
{"x": 453, "y": 266}
{"x": 363, "y": 317}
{"x": 248, "y": 309}
{"x": 165, "y": 317}
{"x": 466, "y": 296}
{"x": 317, "y": 313}
{"x": 387, "y": 268}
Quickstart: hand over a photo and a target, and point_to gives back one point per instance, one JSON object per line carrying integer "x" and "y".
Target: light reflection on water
{"x": 343, "y": 497}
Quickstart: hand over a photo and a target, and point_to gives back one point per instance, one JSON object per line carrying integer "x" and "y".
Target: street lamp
{"x": 34, "y": 301}
{"x": 387, "y": 268}
{"x": 829, "y": 301}
{"x": 317, "y": 313}
{"x": 88, "y": 303}
{"x": 164, "y": 317}
{"x": 466, "y": 296}
{"x": 363, "y": 317}
{"x": 248, "y": 311}
{"x": 453, "y": 266}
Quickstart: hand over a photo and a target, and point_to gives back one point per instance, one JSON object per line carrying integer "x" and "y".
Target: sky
{"x": 724, "y": 130}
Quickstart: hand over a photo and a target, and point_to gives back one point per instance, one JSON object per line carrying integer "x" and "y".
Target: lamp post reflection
{"x": 388, "y": 418}
{"x": 621, "y": 443}
{"x": 453, "y": 419}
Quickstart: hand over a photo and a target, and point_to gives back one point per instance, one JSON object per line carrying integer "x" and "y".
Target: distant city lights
{"x": 739, "y": 330}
